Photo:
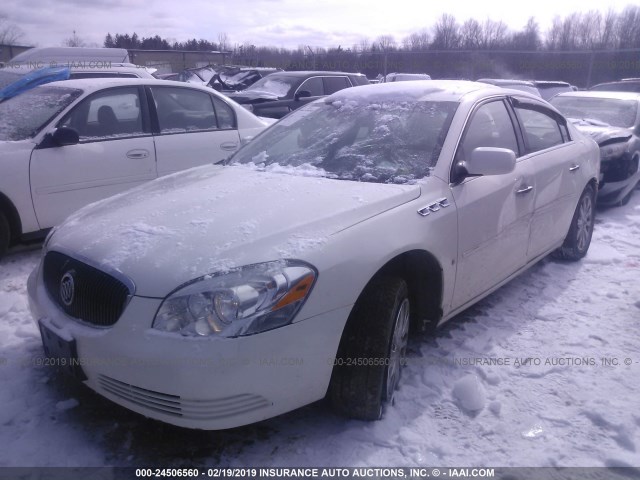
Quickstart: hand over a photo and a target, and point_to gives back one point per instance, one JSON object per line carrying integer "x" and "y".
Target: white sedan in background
{"x": 233, "y": 293}
{"x": 66, "y": 144}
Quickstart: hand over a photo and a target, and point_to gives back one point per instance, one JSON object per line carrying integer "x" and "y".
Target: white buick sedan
{"x": 66, "y": 144}
{"x": 232, "y": 293}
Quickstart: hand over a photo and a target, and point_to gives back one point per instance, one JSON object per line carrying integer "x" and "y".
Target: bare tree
{"x": 10, "y": 34}
{"x": 588, "y": 29}
{"x": 493, "y": 34}
{"x": 608, "y": 35}
{"x": 385, "y": 42}
{"x": 628, "y": 30}
{"x": 528, "y": 38}
{"x": 223, "y": 42}
{"x": 74, "y": 41}
{"x": 471, "y": 34}
{"x": 446, "y": 32}
{"x": 417, "y": 41}
{"x": 364, "y": 44}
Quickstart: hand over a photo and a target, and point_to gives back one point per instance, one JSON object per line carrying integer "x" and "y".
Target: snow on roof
{"x": 436, "y": 90}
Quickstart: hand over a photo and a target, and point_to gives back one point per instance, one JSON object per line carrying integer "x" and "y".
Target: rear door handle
{"x": 573, "y": 168}
{"x": 229, "y": 146}
{"x": 525, "y": 190}
{"x": 135, "y": 154}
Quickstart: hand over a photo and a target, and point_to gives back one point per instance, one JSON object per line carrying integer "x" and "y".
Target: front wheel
{"x": 372, "y": 350}
{"x": 578, "y": 239}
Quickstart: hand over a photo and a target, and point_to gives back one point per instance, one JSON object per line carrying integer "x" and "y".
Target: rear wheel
{"x": 5, "y": 235}
{"x": 578, "y": 239}
{"x": 372, "y": 350}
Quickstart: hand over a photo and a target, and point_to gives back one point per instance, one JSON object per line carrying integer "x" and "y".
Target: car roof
{"x": 602, "y": 94}
{"x": 311, "y": 73}
{"x": 551, "y": 83}
{"x": 93, "y": 84}
{"x": 505, "y": 81}
{"x": 435, "y": 90}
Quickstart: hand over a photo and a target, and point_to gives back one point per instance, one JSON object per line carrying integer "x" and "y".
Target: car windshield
{"x": 612, "y": 111}
{"x": 26, "y": 114}
{"x": 383, "y": 142}
{"x": 278, "y": 85}
{"x": 9, "y": 75}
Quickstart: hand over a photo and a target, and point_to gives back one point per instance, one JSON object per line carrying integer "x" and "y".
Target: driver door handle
{"x": 137, "y": 154}
{"x": 229, "y": 146}
{"x": 524, "y": 190}
{"x": 574, "y": 167}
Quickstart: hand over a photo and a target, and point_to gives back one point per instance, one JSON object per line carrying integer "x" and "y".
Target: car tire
{"x": 372, "y": 350}
{"x": 5, "y": 235}
{"x": 577, "y": 242}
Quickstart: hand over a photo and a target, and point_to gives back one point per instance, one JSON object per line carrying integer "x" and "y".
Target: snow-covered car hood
{"x": 214, "y": 218}
{"x": 602, "y": 134}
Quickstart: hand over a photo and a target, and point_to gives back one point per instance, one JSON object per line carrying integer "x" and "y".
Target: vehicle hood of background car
{"x": 602, "y": 134}
{"x": 214, "y": 218}
{"x": 248, "y": 96}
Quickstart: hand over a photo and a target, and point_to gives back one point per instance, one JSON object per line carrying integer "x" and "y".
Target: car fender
{"x": 14, "y": 181}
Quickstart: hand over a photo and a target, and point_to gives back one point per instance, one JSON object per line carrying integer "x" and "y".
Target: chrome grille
{"x": 95, "y": 297}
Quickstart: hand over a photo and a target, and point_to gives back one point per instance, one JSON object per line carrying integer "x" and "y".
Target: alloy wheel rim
{"x": 398, "y": 349}
{"x": 585, "y": 220}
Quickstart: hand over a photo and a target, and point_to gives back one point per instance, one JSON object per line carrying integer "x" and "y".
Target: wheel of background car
{"x": 372, "y": 350}
{"x": 4, "y": 235}
{"x": 578, "y": 239}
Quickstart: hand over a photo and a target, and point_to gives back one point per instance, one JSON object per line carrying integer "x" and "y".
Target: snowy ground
{"x": 569, "y": 411}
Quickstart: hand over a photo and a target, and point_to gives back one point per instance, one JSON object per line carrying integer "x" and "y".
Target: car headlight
{"x": 244, "y": 301}
{"x": 613, "y": 150}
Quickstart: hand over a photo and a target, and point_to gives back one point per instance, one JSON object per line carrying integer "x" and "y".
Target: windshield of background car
{"x": 383, "y": 142}
{"x": 8, "y": 76}
{"x": 611, "y": 111}
{"x": 26, "y": 114}
{"x": 275, "y": 84}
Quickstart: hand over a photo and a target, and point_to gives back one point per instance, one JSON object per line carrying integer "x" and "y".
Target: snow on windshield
{"x": 26, "y": 114}
{"x": 610, "y": 111}
{"x": 386, "y": 141}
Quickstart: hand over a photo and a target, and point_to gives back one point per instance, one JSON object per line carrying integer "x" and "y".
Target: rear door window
{"x": 540, "y": 130}
{"x": 183, "y": 110}
{"x": 334, "y": 84}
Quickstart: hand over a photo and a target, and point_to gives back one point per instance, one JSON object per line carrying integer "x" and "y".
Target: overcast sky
{"x": 280, "y": 23}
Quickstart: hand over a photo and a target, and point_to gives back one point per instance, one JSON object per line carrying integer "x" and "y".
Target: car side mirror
{"x": 490, "y": 161}
{"x": 64, "y": 136}
{"x": 303, "y": 94}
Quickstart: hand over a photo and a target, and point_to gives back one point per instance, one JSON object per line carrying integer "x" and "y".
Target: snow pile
{"x": 470, "y": 393}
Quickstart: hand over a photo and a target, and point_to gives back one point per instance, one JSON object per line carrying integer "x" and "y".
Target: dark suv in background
{"x": 280, "y": 93}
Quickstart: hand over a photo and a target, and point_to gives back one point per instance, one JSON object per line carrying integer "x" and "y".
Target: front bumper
{"x": 611, "y": 193}
{"x": 204, "y": 383}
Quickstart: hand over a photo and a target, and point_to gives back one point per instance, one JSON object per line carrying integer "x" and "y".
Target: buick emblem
{"x": 67, "y": 288}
